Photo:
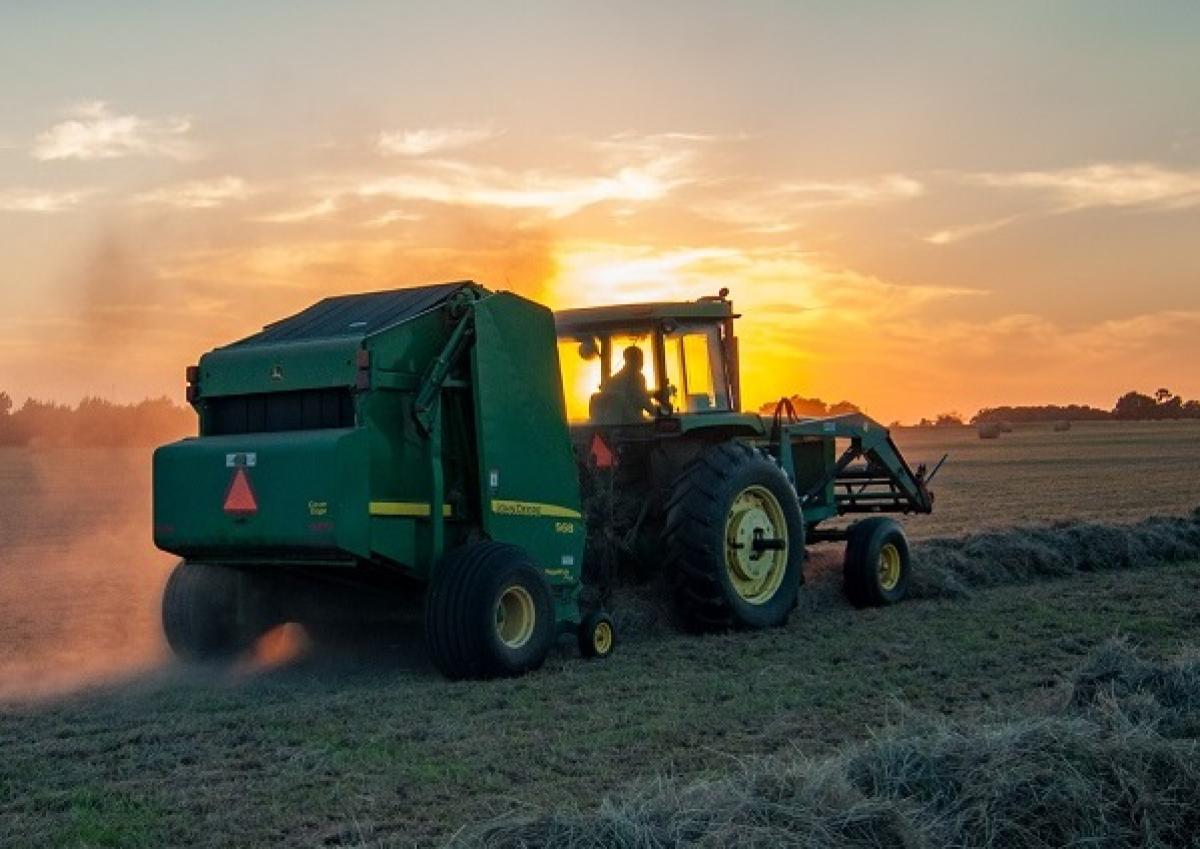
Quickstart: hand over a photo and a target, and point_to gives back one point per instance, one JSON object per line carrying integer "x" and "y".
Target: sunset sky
{"x": 920, "y": 207}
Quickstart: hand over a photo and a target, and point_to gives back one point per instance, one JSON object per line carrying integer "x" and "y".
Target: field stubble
{"x": 340, "y": 750}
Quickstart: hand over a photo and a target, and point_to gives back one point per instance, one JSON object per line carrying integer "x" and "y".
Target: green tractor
{"x": 471, "y": 449}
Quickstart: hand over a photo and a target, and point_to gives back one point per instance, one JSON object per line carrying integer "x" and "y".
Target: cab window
{"x": 699, "y": 370}
{"x": 581, "y": 374}
{"x": 589, "y": 361}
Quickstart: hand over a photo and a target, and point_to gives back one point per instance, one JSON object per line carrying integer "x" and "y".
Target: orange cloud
{"x": 423, "y": 142}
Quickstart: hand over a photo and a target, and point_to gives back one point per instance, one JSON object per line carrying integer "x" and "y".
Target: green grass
{"x": 334, "y": 751}
{"x": 1112, "y": 763}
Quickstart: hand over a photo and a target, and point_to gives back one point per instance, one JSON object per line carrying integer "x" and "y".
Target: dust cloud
{"x": 80, "y": 579}
{"x": 81, "y": 587}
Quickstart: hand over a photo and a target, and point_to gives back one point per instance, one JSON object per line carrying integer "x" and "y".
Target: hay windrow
{"x": 1117, "y": 764}
{"x": 952, "y": 566}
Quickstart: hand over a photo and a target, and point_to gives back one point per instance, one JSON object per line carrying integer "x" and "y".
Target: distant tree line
{"x": 93, "y": 422}
{"x": 811, "y": 407}
{"x": 1132, "y": 406}
{"x": 941, "y": 420}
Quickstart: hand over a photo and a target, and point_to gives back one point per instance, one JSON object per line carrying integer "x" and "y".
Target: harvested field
{"x": 1116, "y": 763}
{"x": 345, "y": 752}
{"x": 1103, "y": 471}
{"x": 107, "y": 743}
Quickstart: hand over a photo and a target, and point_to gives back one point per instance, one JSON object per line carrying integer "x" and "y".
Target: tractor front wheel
{"x": 876, "y": 567}
{"x": 489, "y": 612}
{"x": 734, "y": 540}
{"x": 202, "y": 614}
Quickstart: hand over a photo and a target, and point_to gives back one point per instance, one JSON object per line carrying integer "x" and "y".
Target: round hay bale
{"x": 989, "y": 430}
{"x": 1062, "y": 426}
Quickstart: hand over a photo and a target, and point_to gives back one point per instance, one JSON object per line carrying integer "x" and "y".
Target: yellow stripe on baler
{"x": 413, "y": 509}
{"x": 533, "y": 508}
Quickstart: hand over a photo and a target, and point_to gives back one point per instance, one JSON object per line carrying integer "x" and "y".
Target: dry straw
{"x": 1116, "y": 765}
{"x": 953, "y": 565}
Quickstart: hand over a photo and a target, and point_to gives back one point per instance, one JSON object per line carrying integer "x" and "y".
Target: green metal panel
{"x": 744, "y": 424}
{"x": 530, "y": 486}
{"x": 280, "y": 367}
{"x": 310, "y": 488}
{"x": 402, "y": 457}
{"x": 812, "y": 460}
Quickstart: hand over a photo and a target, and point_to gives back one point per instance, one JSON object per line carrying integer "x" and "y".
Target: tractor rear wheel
{"x": 200, "y": 613}
{"x": 876, "y": 566}
{"x": 489, "y": 612}
{"x": 734, "y": 540}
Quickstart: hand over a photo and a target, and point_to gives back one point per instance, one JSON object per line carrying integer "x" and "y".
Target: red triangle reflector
{"x": 240, "y": 498}
{"x": 602, "y": 455}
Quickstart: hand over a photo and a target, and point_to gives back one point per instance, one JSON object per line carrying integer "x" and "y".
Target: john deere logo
{"x": 276, "y": 372}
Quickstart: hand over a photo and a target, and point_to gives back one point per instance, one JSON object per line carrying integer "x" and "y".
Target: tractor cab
{"x": 636, "y": 364}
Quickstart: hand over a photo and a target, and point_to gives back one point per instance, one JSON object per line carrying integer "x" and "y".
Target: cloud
{"x": 198, "y": 194}
{"x": 884, "y": 189}
{"x": 457, "y": 183}
{"x": 434, "y": 140}
{"x": 1140, "y": 185}
{"x": 320, "y": 209}
{"x": 1105, "y": 185}
{"x": 94, "y": 131}
{"x": 956, "y": 234}
{"x": 40, "y": 201}
{"x": 774, "y": 210}
{"x": 658, "y": 144}
{"x": 391, "y": 217}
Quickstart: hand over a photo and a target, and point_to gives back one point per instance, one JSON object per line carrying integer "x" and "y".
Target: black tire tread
{"x": 199, "y": 615}
{"x": 692, "y": 512}
{"x": 860, "y": 569}
{"x": 454, "y": 636}
{"x": 587, "y": 628}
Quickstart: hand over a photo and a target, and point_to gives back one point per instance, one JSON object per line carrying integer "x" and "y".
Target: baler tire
{"x": 697, "y": 515}
{"x": 597, "y": 636}
{"x": 200, "y": 613}
{"x": 863, "y": 566}
{"x": 462, "y": 629}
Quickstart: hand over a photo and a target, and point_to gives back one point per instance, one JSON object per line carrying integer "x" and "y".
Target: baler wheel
{"x": 597, "y": 635}
{"x": 734, "y": 540}
{"x": 488, "y": 613}
{"x": 876, "y": 566}
{"x": 200, "y": 613}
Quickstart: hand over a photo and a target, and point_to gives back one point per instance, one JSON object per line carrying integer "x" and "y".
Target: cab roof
{"x": 616, "y": 316}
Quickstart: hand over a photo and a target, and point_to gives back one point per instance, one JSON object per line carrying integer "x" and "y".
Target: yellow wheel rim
{"x": 755, "y": 522}
{"x": 602, "y": 638}
{"x": 515, "y": 617}
{"x": 889, "y": 567}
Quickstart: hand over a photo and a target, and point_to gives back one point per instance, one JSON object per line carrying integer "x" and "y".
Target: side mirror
{"x": 588, "y": 349}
